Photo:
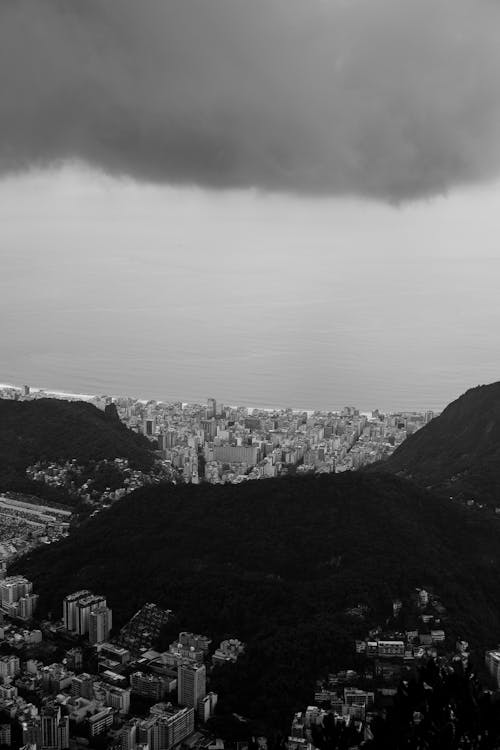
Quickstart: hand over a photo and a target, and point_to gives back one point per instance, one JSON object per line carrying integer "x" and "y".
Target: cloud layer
{"x": 391, "y": 99}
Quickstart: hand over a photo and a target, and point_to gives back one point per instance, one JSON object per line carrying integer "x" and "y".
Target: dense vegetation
{"x": 437, "y": 709}
{"x": 56, "y": 430}
{"x": 458, "y": 453}
{"x": 276, "y": 563}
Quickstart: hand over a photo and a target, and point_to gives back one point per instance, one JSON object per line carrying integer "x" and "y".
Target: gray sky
{"x": 389, "y": 99}
{"x": 271, "y": 199}
{"x": 113, "y": 286}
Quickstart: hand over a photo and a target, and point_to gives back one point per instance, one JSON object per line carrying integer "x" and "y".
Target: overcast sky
{"x": 389, "y": 99}
{"x": 313, "y": 144}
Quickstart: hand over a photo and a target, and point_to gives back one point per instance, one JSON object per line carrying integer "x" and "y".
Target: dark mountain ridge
{"x": 458, "y": 453}
{"x": 277, "y": 563}
{"x": 55, "y": 430}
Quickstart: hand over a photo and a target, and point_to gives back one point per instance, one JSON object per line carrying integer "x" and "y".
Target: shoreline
{"x": 60, "y": 394}
{"x": 88, "y": 397}
{"x": 70, "y": 396}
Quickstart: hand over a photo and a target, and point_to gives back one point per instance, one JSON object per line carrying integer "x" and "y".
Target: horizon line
{"x": 90, "y": 397}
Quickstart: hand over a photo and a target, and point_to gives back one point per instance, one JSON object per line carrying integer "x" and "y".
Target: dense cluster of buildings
{"x": 220, "y": 444}
{"x": 120, "y": 690}
{"x": 80, "y": 482}
{"x": 87, "y": 614}
{"x": 117, "y": 690}
{"x": 25, "y": 525}
{"x": 16, "y": 597}
{"x": 349, "y": 703}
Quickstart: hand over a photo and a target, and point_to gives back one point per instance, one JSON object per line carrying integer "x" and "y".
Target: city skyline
{"x": 52, "y": 393}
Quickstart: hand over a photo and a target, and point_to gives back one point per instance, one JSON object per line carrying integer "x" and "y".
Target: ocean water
{"x": 252, "y": 300}
{"x": 370, "y": 334}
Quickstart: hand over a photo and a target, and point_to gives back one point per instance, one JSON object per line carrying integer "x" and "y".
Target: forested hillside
{"x": 458, "y": 453}
{"x": 277, "y": 563}
{"x": 56, "y": 430}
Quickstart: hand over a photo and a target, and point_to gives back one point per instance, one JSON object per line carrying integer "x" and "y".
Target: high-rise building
{"x": 63, "y": 733}
{"x": 8, "y": 692}
{"x": 74, "y": 658}
{"x": 54, "y": 728}
{"x": 167, "y": 726}
{"x": 27, "y": 605}
{"x": 145, "y": 731}
{"x": 492, "y": 661}
{"x": 100, "y": 722}
{"x": 249, "y": 454}
{"x": 206, "y": 707}
{"x": 170, "y": 439}
{"x": 148, "y": 685}
{"x": 180, "y": 725}
{"x": 118, "y": 698}
{"x": 32, "y": 666}
{"x": 84, "y": 607}
{"x": 129, "y": 734}
{"x": 149, "y": 426}
{"x": 191, "y": 684}
{"x": 13, "y": 588}
{"x": 32, "y": 732}
{"x": 9, "y": 666}
{"x": 50, "y": 716}
{"x": 211, "y": 408}
{"x": 82, "y": 686}
{"x": 100, "y": 623}
{"x": 5, "y": 734}
{"x": 69, "y": 608}
{"x": 209, "y": 427}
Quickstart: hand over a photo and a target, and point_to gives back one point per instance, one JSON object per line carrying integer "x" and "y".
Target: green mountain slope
{"x": 276, "y": 563}
{"x": 55, "y": 430}
{"x": 458, "y": 453}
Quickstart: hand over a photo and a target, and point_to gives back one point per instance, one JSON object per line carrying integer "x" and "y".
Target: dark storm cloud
{"x": 386, "y": 98}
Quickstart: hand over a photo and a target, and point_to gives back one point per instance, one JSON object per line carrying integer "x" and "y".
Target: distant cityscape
{"x": 195, "y": 443}
{"x": 220, "y": 444}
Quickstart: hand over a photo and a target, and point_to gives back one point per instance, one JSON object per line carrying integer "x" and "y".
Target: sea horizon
{"x": 72, "y": 395}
